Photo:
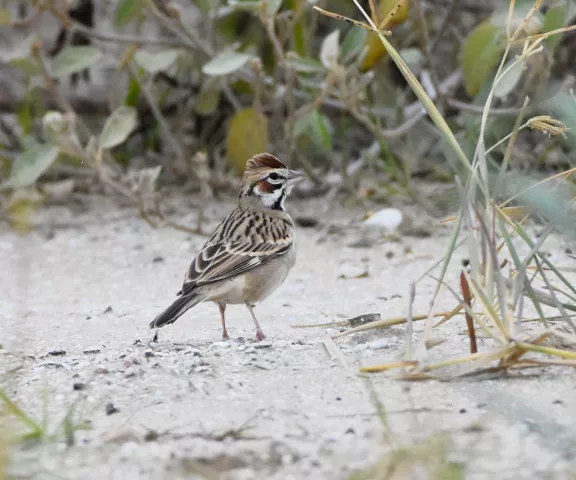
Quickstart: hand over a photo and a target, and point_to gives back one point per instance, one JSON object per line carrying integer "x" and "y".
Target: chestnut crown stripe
{"x": 263, "y": 160}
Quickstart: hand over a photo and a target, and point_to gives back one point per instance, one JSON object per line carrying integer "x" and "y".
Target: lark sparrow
{"x": 250, "y": 253}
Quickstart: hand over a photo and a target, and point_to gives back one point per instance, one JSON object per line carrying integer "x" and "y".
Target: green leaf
{"x": 247, "y": 136}
{"x": 74, "y": 59}
{"x": 509, "y": 81}
{"x": 249, "y": 5}
{"x": 157, "y": 61}
{"x": 21, "y": 57}
{"x": 272, "y": 7}
{"x": 353, "y": 43}
{"x": 225, "y": 63}
{"x": 554, "y": 19}
{"x": 5, "y": 16}
{"x": 133, "y": 93}
{"x": 208, "y": 99}
{"x": 205, "y": 6}
{"x": 119, "y": 125}
{"x": 30, "y": 164}
{"x": 317, "y": 128}
{"x": 481, "y": 53}
{"x": 27, "y": 65}
{"x": 306, "y": 65}
{"x": 127, "y": 11}
{"x": 330, "y": 49}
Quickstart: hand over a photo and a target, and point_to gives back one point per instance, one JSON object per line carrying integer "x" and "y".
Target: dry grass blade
{"x": 387, "y": 323}
{"x": 389, "y": 366}
{"x": 335, "y": 352}
{"x": 351, "y": 20}
{"x": 469, "y": 322}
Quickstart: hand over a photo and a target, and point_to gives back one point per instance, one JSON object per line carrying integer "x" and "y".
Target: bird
{"x": 250, "y": 253}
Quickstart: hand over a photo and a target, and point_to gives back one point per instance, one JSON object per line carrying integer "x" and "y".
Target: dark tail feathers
{"x": 176, "y": 310}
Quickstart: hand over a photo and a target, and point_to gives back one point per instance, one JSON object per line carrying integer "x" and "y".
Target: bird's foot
{"x": 260, "y": 335}
{"x": 155, "y": 338}
{"x": 225, "y": 335}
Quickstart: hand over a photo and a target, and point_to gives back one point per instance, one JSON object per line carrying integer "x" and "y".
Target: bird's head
{"x": 267, "y": 182}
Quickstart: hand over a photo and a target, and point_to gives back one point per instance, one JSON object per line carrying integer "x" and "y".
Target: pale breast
{"x": 262, "y": 281}
{"x": 254, "y": 285}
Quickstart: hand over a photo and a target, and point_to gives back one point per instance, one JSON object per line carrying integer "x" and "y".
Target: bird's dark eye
{"x": 273, "y": 176}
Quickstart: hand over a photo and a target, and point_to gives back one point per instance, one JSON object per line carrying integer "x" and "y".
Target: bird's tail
{"x": 176, "y": 310}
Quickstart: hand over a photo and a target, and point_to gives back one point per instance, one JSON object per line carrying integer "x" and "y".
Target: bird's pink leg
{"x": 222, "y": 307}
{"x": 259, "y": 333}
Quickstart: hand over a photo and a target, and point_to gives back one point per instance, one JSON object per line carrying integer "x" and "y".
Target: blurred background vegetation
{"x": 126, "y": 96}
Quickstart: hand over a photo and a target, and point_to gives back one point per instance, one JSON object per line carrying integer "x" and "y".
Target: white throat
{"x": 275, "y": 199}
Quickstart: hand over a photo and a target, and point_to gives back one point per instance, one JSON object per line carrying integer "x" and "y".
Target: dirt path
{"x": 82, "y": 288}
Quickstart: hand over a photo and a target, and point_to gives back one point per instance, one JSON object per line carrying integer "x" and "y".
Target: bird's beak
{"x": 295, "y": 176}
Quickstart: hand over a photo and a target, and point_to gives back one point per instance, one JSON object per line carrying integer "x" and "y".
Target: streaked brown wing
{"x": 234, "y": 248}
{"x": 218, "y": 262}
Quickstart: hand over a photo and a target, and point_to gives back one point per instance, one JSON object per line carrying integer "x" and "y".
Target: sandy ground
{"x": 78, "y": 294}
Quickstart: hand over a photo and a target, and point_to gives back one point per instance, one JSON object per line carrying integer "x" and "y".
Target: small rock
{"x": 151, "y": 436}
{"x": 57, "y": 353}
{"x": 263, "y": 344}
{"x": 111, "y": 409}
{"x": 92, "y": 350}
{"x": 149, "y": 354}
{"x": 380, "y": 344}
{"x": 157, "y": 259}
{"x": 306, "y": 222}
{"x": 108, "y": 309}
{"x": 193, "y": 351}
{"x": 388, "y": 219}
{"x": 280, "y": 344}
{"x": 363, "y": 319}
{"x": 79, "y": 386}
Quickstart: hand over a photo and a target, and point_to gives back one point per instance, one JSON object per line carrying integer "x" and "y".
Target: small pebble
{"x": 111, "y": 409}
{"x": 264, "y": 344}
{"x": 92, "y": 350}
{"x": 151, "y": 436}
{"x": 57, "y": 353}
{"x": 79, "y": 386}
